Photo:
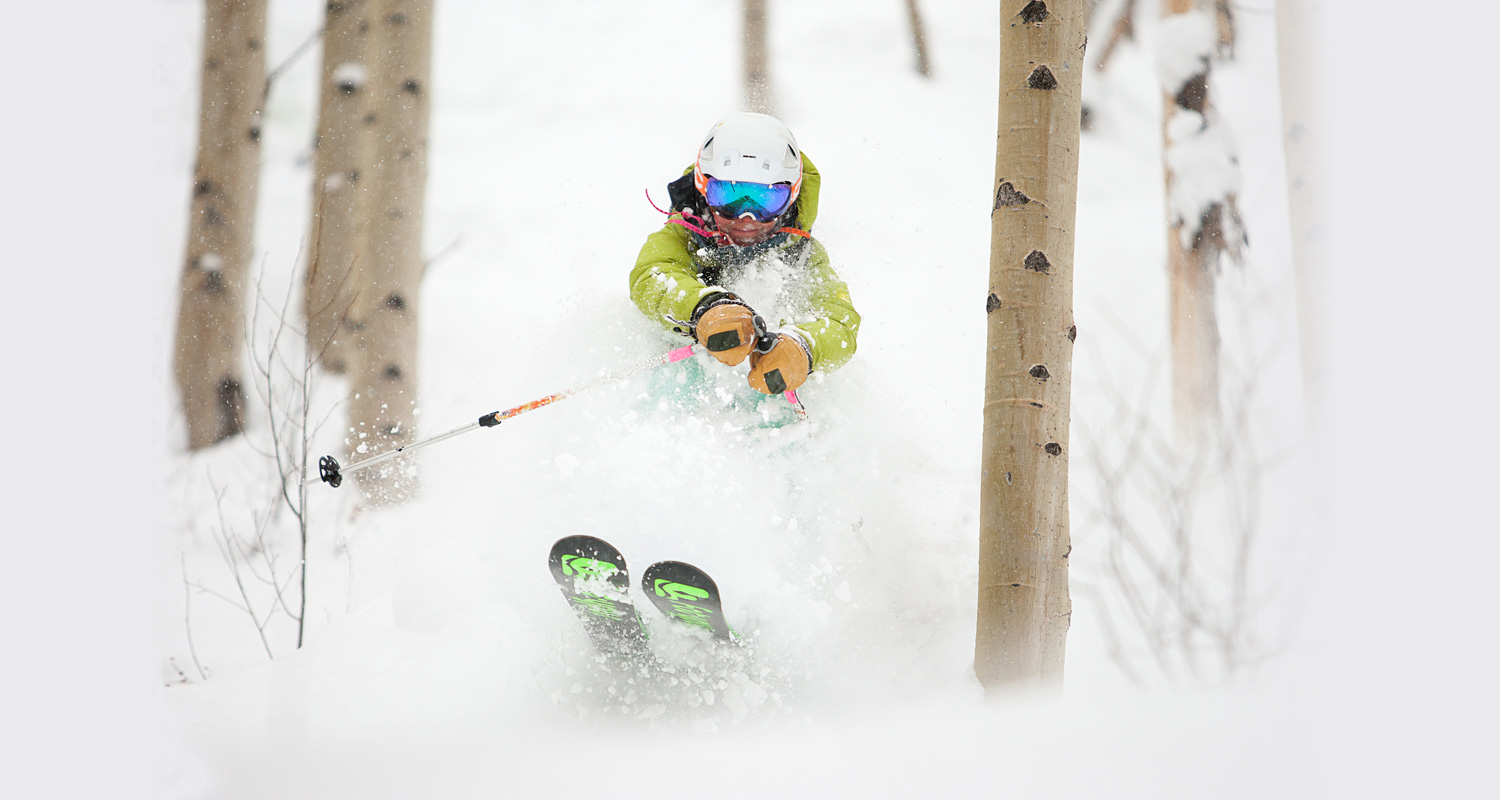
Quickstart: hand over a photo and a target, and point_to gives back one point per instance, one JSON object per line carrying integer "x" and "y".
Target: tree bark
{"x": 221, "y": 229}
{"x": 341, "y": 175}
{"x": 759, "y": 95}
{"x": 1203, "y": 222}
{"x": 1024, "y": 607}
{"x": 1296, "y": 31}
{"x": 918, "y": 38}
{"x": 1224, "y": 19}
{"x": 383, "y": 370}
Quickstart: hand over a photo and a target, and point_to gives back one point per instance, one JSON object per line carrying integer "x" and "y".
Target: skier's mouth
{"x": 744, "y": 231}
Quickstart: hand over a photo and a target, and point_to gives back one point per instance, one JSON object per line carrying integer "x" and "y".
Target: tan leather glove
{"x": 727, "y": 332}
{"x": 782, "y": 369}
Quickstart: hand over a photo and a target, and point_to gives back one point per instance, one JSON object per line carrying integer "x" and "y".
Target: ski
{"x": 595, "y": 582}
{"x": 686, "y": 594}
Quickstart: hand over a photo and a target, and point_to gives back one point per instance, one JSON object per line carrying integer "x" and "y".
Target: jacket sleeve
{"x": 664, "y": 284}
{"x": 831, "y": 326}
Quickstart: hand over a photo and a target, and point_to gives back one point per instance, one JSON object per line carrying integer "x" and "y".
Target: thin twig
{"x": 289, "y": 61}
{"x": 441, "y": 254}
{"x": 188, "y": 618}
{"x": 225, "y": 549}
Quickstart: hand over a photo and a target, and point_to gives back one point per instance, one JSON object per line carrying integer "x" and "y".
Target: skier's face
{"x": 745, "y": 231}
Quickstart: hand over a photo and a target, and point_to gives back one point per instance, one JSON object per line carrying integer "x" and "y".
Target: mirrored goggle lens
{"x": 733, "y": 199}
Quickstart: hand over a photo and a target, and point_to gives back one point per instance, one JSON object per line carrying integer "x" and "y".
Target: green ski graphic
{"x": 686, "y": 594}
{"x": 593, "y": 577}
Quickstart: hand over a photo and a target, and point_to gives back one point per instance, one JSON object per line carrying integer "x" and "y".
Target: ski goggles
{"x": 734, "y": 199}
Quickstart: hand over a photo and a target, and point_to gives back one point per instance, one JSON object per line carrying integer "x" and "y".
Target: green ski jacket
{"x": 677, "y": 267}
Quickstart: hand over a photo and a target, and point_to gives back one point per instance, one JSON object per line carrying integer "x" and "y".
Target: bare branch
{"x": 226, "y": 598}
{"x": 234, "y": 569}
{"x": 289, "y": 61}
{"x": 188, "y": 618}
{"x": 441, "y": 254}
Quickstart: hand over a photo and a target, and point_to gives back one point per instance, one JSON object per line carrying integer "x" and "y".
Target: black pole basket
{"x": 328, "y": 471}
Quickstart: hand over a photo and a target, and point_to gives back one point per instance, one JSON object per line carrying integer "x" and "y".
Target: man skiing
{"x": 735, "y": 266}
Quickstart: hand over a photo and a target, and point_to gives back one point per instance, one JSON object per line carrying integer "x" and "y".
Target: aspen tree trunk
{"x": 1296, "y": 26}
{"x": 383, "y": 370}
{"x": 1224, "y": 19}
{"x": 221, "y": 229}
{"x": 758, "y": 93}
{"x": 341, "y": 175}
{"x": 1203, "y": 222}
{"x": 1024, "y": 608}
{"x": 1122, "y": 29}
{"x": 918, "y": 38}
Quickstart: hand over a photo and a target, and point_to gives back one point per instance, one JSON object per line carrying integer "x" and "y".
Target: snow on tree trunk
{"x": 1296, "y": 26}
{"x": 383, "y": 367}
{"x": 758, "y": 93}
{"x": 341, "y": 175}
{"x": 1202, "y": 177}
{"x": 1024, "y": 607}
{"x": 221, "y": 230}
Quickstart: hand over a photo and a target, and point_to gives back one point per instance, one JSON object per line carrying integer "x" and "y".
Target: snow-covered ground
{"x": 441, "y": 661}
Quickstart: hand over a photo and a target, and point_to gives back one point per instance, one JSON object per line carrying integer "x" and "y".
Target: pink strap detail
{"x": 679, "y": 354}
{"x": 653, "y": 203}
{"x": 791, "y": 397}
{"x": 705, "y": 233}
{"x": 681, "y": 218}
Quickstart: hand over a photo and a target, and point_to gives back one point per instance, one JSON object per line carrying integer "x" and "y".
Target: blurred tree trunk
{"x": 1202, "y": 177}
{"x": 759, "y": 95}
{"x": 918, "y": 38}
{"x": 383, "y": 368}
{"x": 221, "y": 228}
{"x": 341, "y": 175}
{"x": 1024, "y": 607}
{"x": 1296, "y": 31}
{"x": 1224, "y": 19}
{"x": 1122, "y": 29}
{"x": 1120, "y": 26}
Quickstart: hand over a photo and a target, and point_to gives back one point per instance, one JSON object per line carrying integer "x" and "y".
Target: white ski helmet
{"x": 749, "y": 148}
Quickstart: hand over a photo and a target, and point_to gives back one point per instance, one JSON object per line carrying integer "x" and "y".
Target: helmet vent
{"x": 750, "y": 147}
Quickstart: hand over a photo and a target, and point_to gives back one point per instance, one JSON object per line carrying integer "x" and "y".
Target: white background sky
{"x": 1402, "y": 681}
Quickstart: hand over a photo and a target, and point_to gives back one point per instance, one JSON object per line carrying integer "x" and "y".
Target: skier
{"x": 735, "y": 266}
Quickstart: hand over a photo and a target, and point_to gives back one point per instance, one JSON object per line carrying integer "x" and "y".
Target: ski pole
{"x": 331, "y": 473}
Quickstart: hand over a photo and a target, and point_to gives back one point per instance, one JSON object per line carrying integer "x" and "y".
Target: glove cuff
{"x": 719, "y": 298}
{"x": 797, "y": 335}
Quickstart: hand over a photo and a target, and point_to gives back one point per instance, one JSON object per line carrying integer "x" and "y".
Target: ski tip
{"x": 586, "y": 546}
{"x": 679, "y": 572}
{"x": 688, "y": 595}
